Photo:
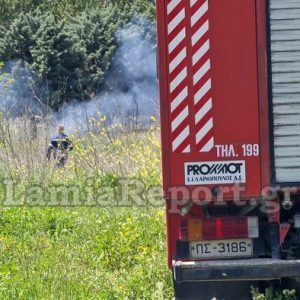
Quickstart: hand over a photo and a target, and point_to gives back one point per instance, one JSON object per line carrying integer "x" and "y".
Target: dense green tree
{"x": 66, "y": 46}
{"x": 93, "y": 35}
{"x": 17, "y": 40}
{"x": 11, "y": 9}
{"x": 70, "y": 59}
{"x": 54, "y": 60}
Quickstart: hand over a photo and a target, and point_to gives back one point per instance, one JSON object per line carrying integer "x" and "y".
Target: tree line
{"x": 65, "y": 46}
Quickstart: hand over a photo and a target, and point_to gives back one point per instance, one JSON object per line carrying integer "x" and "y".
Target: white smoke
{"x": 17, "y": 93}
{"x": 130, "y": 94}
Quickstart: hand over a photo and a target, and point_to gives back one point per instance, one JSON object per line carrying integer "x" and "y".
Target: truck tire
{"x": 210, "y": 290}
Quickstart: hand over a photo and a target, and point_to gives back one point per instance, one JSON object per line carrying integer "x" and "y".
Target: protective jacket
{"x": 59, "y": 142}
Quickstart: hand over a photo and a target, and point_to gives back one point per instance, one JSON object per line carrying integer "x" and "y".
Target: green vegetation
{"x": 89, "y": 244}
{"x": 66, "y": 46}
{"x": 99, "y": 250}
{"x": 11, "y": 9}
{"x": 272, "y": 294}
{"x": 86, "y": 253}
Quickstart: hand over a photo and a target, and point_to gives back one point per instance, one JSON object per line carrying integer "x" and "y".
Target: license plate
{"x": 221, "y": 248}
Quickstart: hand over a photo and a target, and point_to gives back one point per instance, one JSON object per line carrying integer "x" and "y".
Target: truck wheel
{"x": 210, "y": 290}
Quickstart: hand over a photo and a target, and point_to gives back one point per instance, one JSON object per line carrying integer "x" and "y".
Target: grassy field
{"x": 83, "y": 249}
{"x": 83, "y": 253}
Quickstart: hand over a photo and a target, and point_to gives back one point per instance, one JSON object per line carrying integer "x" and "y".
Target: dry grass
{"x": 100, "y": 151}
{"x": 82, "y": 252}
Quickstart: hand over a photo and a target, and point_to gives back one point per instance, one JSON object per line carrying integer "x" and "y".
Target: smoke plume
{"x": 129, "y": 95}
{"x": 130, "y": 91}
{"x": 17, "y": 94}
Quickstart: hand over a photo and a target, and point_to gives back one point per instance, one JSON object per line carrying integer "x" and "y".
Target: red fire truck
{"x": 229, "y": 73}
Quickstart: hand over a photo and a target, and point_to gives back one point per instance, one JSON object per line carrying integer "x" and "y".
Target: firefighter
{"x": 59, "y": 147}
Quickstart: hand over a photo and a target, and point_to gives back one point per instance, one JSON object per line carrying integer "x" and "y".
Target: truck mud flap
{"x": 242, "y": 269}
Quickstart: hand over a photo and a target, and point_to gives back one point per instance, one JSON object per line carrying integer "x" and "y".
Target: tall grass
{"x": 100, "y": 152}
{"x": 94, "y": 252}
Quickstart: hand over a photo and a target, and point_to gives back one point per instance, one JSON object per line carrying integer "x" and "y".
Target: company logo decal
{"x": 216, "y": 172}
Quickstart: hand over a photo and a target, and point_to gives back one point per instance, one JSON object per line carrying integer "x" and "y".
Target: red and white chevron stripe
{"x": 201, "y": 63}
{"x": 178, "y": 75}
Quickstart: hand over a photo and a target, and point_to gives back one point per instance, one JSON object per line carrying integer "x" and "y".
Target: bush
{"x": 272, "y": 294}
{"x": 67, "y": 57}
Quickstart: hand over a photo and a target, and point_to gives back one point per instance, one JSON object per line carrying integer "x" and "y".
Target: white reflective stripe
{"x": 209, "y": 145}
{"x": 187, "y": 149}
{"x": 173, "y": 24}
{"x": 180, "y": 139}
{"x": 180, "y": 118}
{"x": 199, "y": 13}
{"x": 204, "y": 89}
{"x": 177, "y": 40}
{"x": 204, "y": 130}
{"x": 177, "y": 60}
{"x": 200, "y": 32}
{"x": 253, "y": 231}
{"x": 178, "y": 79}
{"x": 203, "y": 111}
{"x": 200, "y": 53}
{"x": 193, "y": 2}
{"x": 179, "y": 99}
{"x": 172, "y": 5}
{"x": 202, "y": 71}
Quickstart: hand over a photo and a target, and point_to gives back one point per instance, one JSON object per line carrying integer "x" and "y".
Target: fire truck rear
{"x": 229, "y": 74}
